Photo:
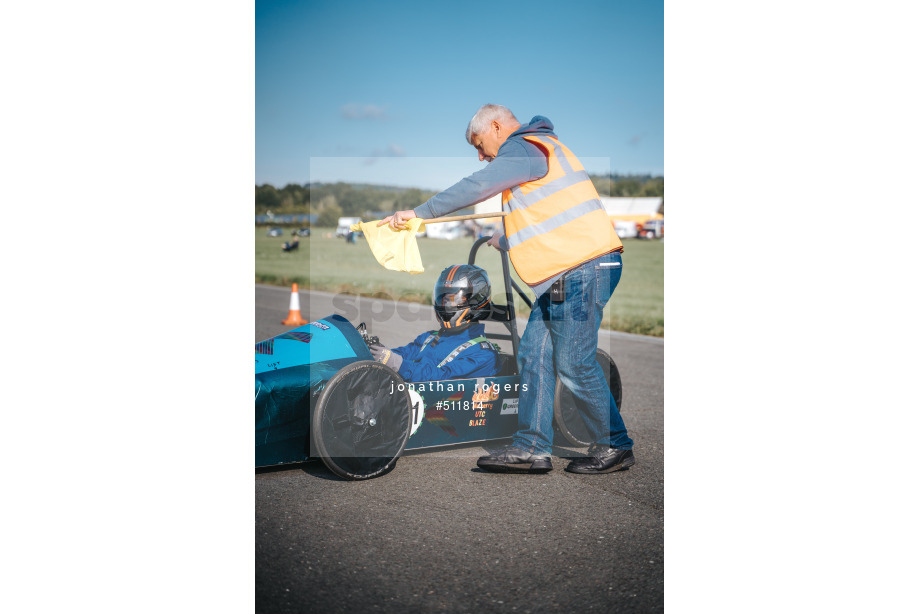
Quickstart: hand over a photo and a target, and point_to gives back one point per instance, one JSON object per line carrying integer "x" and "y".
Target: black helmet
{"x": 461, "y": 295}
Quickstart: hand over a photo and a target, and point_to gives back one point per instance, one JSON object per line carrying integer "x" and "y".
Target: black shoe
{"x": 602, "y": 459}
{"x": 515, "y": 460}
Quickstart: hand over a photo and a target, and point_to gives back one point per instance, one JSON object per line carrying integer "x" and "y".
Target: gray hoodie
{"x": 517, "y": 162}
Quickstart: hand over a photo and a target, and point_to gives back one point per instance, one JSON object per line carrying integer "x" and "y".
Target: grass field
{"x": 325, "y": 263}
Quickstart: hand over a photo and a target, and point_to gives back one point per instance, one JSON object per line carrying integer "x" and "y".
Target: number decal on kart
{"x": 418, "y": 410}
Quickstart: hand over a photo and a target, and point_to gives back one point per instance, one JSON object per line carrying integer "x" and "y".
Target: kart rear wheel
{"x": 361, "y": 421}
{"x": 568, "y": 419}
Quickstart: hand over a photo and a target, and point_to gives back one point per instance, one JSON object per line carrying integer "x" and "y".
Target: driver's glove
{"x": 383, "y": 354}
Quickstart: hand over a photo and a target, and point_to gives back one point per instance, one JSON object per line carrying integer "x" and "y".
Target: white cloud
{"x": 353, "y": 110}
{"x": 392, "y": 151}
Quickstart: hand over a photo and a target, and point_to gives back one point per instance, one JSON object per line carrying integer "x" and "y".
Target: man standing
{"x": 562, "y": 244}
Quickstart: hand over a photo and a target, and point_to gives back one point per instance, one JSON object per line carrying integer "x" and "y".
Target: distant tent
{"x": 639, "y": 210}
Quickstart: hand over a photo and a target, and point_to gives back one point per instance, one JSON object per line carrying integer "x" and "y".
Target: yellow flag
{"x": 394, "y": 249}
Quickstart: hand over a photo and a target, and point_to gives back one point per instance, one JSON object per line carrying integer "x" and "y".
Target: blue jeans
{"x": 561, "y": 340}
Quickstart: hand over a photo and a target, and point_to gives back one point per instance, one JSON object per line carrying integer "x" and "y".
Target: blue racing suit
{"x": 432, "y": 355}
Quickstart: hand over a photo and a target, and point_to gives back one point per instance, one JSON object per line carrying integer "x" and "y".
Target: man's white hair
{"x": 486, "y": 114}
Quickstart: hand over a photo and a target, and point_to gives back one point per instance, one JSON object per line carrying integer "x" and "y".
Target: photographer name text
{"x": 459, "y": 387}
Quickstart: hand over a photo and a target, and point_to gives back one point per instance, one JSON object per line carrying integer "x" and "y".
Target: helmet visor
{"x": 450, "y": 299}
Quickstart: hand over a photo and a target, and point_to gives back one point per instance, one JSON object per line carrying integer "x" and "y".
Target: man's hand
{"x": 494, "y": 241}
{"x": 398, "y": 220}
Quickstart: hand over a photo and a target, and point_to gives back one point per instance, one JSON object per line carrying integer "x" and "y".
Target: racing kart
{"x": 320, "y": 394}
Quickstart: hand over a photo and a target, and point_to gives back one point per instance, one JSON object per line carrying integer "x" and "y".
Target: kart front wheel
{"x": 569, "y": 418}
{"x": 362, "y": 420}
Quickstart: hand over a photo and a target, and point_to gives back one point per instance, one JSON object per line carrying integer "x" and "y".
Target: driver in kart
{"x": 459, "y": 349}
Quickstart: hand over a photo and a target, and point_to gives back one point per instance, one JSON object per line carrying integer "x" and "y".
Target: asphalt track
{"x": 439, "y": 535}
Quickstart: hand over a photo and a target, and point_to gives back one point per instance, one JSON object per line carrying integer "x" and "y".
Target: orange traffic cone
{"x": 294, "y": 318}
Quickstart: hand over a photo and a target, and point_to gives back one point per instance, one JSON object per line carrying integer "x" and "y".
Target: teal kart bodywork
{"x": 293, "y": 368}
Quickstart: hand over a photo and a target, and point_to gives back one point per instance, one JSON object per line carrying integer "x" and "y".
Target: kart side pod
{"x": 319, "y": 394}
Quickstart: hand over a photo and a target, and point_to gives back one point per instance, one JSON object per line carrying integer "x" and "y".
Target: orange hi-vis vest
{"x": 557, "y": 222}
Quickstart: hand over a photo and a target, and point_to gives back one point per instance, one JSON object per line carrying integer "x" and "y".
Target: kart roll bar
{"x": 504, "y": 313}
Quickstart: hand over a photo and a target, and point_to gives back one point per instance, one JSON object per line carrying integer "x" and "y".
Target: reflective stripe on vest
{"x": 556, "y": 222}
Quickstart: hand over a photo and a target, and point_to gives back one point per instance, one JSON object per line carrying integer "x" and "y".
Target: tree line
{"x": 333, "y": 200}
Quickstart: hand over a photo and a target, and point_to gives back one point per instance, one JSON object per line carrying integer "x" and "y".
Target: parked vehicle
{"x": 652, "y": 229}
{"x": 344, "y": 226}
{"x": 447, "y": 230}
{"x": 625, "y": 229}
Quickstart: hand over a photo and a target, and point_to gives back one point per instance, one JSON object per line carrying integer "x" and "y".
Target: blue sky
{"x": 381, "y": 92}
